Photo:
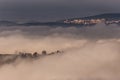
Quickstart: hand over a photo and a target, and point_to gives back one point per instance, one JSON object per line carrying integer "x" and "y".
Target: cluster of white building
{"x": 113, "y": 22}
{"x": 84, "y": 21}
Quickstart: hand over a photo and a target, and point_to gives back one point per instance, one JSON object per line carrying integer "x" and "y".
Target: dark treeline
{"x": 11, "y": 58}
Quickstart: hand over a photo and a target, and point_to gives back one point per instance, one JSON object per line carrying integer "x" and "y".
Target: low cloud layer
{"x": 89, "y": 52}
{"x": 37, "y": 38}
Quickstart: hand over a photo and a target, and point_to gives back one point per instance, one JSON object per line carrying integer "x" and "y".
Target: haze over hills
{"x": 109, "y": 18}
{"x": 31, "y": 51}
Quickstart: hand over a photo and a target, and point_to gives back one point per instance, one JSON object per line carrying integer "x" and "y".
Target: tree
{"x": 35, "y": 54}
{"x": 44, "y": 52}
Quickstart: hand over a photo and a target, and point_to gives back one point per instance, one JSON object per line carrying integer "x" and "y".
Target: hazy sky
{"x": 50, "y": 10}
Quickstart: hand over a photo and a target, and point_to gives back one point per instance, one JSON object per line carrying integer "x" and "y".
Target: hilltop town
{"x": 91, "y": 20}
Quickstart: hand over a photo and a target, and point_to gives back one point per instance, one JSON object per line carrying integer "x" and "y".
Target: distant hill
{"x": 109, "y": 18}
{"x": 106, "y": 16}
{"x": 7, "y": 23}
{"x": 100, "y": 16}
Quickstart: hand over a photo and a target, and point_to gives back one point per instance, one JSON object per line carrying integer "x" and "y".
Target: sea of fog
{"x": 90, "y": 53}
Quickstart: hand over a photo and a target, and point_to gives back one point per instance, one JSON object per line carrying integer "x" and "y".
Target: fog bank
{"x": 90, "y": 53}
